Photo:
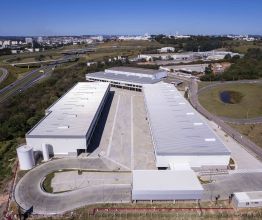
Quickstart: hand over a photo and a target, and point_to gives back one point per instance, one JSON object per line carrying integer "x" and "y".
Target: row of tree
{"x": 20, "y": 113}
{"x": 194, "y": 43}
{"x": 249, "y": 67}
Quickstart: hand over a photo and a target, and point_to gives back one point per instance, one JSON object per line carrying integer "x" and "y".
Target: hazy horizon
{"x": 68, "y": 17}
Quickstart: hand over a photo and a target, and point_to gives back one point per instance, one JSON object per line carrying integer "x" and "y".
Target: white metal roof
{"x": 249, "y": 196}
{"x": 135, "y": 80}
{"x": 126, "y": 70}
{"x": 73, "y": 113}
{"x": 176, "y": 127}
{"x": 166, "y": 180}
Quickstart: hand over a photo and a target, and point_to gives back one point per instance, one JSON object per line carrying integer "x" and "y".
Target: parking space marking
{"x": 132, "y": 135}
{"x": 113, "y": 127}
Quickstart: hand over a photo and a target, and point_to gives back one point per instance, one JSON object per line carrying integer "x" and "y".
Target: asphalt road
{"x": 23, "y": 83}
{"x": 249, "y": 145}
{"x": 31, "y": 78}
{"x": 4, "y": 74}
{"x": 29, "y": 193}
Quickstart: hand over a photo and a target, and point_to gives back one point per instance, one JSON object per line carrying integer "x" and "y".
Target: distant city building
{"x": 166, "y": 50}
{"x": 98, "y": 38}
{"x": 28, "y": 40}
{"x": 39, "y": 40}
{"x": 145, "y": 37}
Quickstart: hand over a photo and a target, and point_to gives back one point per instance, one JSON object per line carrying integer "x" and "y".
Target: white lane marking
{"x": 113, "y": 127}
{"x": 132, "y": 135}
{"x": 119, "y": 164}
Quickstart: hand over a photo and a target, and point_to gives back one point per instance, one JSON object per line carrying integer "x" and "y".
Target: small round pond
{"x": 230, "y": 97}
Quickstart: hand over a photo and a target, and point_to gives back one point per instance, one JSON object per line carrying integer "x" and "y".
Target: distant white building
{"x": 166, "y": 50}
{"x": 139, "y": 37}
{"x": 6, "y": 43}
{"x": 98, "y": 38}
{"x": 28, "y": 40}
{"x": 39, "y": 40}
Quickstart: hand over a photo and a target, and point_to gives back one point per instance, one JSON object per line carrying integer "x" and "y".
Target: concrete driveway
{"x": 28, "y": 192}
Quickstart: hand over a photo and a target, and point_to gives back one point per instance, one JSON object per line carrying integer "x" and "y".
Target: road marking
{"x": 113, "y": 127}
{"x": 132, "y": 135}
{"x": 119, "y": 164}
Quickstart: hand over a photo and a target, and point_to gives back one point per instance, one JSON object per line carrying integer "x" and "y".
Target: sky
{"x": 80, "y": 17}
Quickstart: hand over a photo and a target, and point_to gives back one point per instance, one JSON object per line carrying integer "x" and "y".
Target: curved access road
{"x": 4, "y": 74}
{"x": 29, "y": 193}
{"x": 193, "y": 98}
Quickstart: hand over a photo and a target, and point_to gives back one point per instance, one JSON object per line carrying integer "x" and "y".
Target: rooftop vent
{"x": 210, "y": 139}
{"x": 63, "y": 127}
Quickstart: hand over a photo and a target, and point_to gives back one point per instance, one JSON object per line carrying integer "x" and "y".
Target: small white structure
{"x": 166, "y": 185}
{"x": 166, "y": 49}
{"x": 26, "y": 158}
{"x": 247, "y": 199}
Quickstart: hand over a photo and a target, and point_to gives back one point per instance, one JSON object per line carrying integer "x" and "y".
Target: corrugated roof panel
{"x": 176, "y": 127}
{"x": 73, "y": 113}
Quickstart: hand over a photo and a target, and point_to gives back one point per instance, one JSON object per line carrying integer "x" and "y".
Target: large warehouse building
{"x": 128, "y": 77}
{"x": 179, "y": 134}
{"x": 69, "y": 123}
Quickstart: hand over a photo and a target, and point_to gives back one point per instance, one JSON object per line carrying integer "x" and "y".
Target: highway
{"x": 31, "y": 78}
{"x": 4, "y": 74}
{"x": 29, "y": 192}
{"x": 245, "y": 142}
{"x": 23, "y": 83}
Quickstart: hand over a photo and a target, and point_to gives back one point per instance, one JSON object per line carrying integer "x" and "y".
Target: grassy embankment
{"x": 249, "y": 106}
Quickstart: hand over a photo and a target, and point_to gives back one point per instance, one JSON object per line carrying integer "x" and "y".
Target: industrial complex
{"x": 152, "y": 133}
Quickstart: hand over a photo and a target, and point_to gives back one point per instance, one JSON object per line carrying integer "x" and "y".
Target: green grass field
{"x": 252, "y": 131}
{"x": 250, "y": 105}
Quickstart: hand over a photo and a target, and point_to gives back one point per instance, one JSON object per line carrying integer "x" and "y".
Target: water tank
{"x": 26, "y": 158}
{"x": 45, "y": 149}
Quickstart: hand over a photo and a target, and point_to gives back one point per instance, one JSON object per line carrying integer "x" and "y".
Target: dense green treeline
{"x": 194, "y": 43}
{"x": 248, "y": 67}
{"x": 20, "y": 113}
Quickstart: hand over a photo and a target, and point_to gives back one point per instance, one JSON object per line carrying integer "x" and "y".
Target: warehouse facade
{"x": 70, "y": 122}
{"x": 128, "y": 77}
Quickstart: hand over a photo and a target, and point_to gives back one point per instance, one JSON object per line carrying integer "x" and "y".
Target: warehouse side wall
{"x": 167, "y": 195}
{"x": 194, "y": 161}
{"x": 58, "y": 146}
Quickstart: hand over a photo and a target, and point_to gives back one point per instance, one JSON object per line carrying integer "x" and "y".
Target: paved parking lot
{"x": 71, "y": 180}
{"x": 123, "y": 134}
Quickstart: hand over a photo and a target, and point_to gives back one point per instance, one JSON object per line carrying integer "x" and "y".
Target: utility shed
{"x": 247, "y": 199}
{"x": 69, "y": 123}
{"x": 178, "y": 132}
{"x": 166, "y": 185}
